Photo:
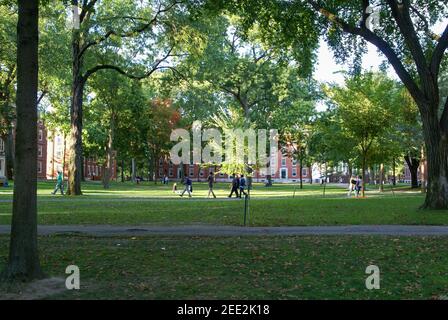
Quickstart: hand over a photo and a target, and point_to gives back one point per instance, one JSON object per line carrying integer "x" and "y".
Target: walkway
{"x": 210, "y": 230}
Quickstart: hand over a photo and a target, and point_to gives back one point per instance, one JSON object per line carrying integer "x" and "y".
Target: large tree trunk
{"x": 437, "y": 162}
{"x": 75, "y": 149}
{"x": 133, "y": 174}
{"x": 23, "y": 263}
{"x": 413, "y": 165}
{"x": 107, "y": 172}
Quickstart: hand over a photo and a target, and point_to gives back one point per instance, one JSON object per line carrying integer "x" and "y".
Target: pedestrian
{"x": 235, "y": 186}
{"x": 242, "y": 186}
{"x": 358, "y": 186}
{"x": 59, "y": 184}
{"x": 188, "y": 187}
{"x": 211, "y": 181}
{"x": 352, "y": 186}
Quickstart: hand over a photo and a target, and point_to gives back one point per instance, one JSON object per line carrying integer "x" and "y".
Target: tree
{"x": 410, "y": 135}
{"x": 365, "y": 111}
{"x": 23, "y": 260}
{"x": 403, "y": 35}
{"x": 102, "y": 32}
{"x": 293, "y": 117}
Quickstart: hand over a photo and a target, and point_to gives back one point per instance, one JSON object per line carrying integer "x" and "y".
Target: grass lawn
{"x": 247, "y": 267}
{"x": 129, "y": 204}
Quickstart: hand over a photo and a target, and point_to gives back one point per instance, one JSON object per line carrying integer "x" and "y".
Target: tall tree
{"x": 100, "y": 30}
{"x": 365, "y": 111}
{"x": 23, "y": 260}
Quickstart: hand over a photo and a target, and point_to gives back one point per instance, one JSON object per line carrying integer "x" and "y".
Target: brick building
{"x": 52, "y": 156}
{"x": 58, "y": 156}
{"x": 287, "y": 170}
{"x": 41, "y": 150}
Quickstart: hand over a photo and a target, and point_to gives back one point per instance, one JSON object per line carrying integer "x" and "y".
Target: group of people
{"x": 239, "y": 186}
{"x": 355, "y": 186}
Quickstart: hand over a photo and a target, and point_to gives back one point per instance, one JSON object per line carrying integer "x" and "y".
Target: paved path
{"x": 210, "y": 230}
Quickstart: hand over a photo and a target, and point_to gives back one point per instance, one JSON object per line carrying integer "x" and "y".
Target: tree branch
{"x": 44, "y": 92}
{"x": 428, "y": 31}
{"x": 86, "y": 8}
{"x": 438, "y": 53}
{"x": 400, "y": 12}
{"x": 129, "y": 33}
{"x": 380, "y": 43}
{"x": 154, "y": 68}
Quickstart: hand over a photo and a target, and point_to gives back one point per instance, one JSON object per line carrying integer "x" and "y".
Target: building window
{"x": 304, "y": 172}
{"x": 39, "y": 151}
{"x": 39, "y": 166}
{"x": 2, "y": 145}
{"x": 41, "y": 135}
{"x": 294, "y": 172}
{"x": 191, "y": 171}
{"x": 170, "y": 172}
{"x": 160, "y": 161}
{"x": 294, "y": 162}
{"x": 283, "y": 162}
{"x": 160, "y": 172}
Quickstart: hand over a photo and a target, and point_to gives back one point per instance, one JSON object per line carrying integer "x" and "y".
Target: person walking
{"x": 188, "y": 187}
{"x": 211, "y": 181}
{"x": 352, "y": 186}
{"x": 235, "y": 186}
{"x": 358, "y": 186}
{"x": 242, "y": 186}
{"x": 59, "y": 184}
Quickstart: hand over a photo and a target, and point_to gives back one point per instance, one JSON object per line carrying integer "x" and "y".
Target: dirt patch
{"x": 36, "y": 290}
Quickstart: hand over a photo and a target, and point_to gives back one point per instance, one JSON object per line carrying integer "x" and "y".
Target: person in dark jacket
{"x": 242, "y": 186}
{"x": 358, "y": 186}
{"x": 235, "y": 186}
{"x": 188, "y": 187}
